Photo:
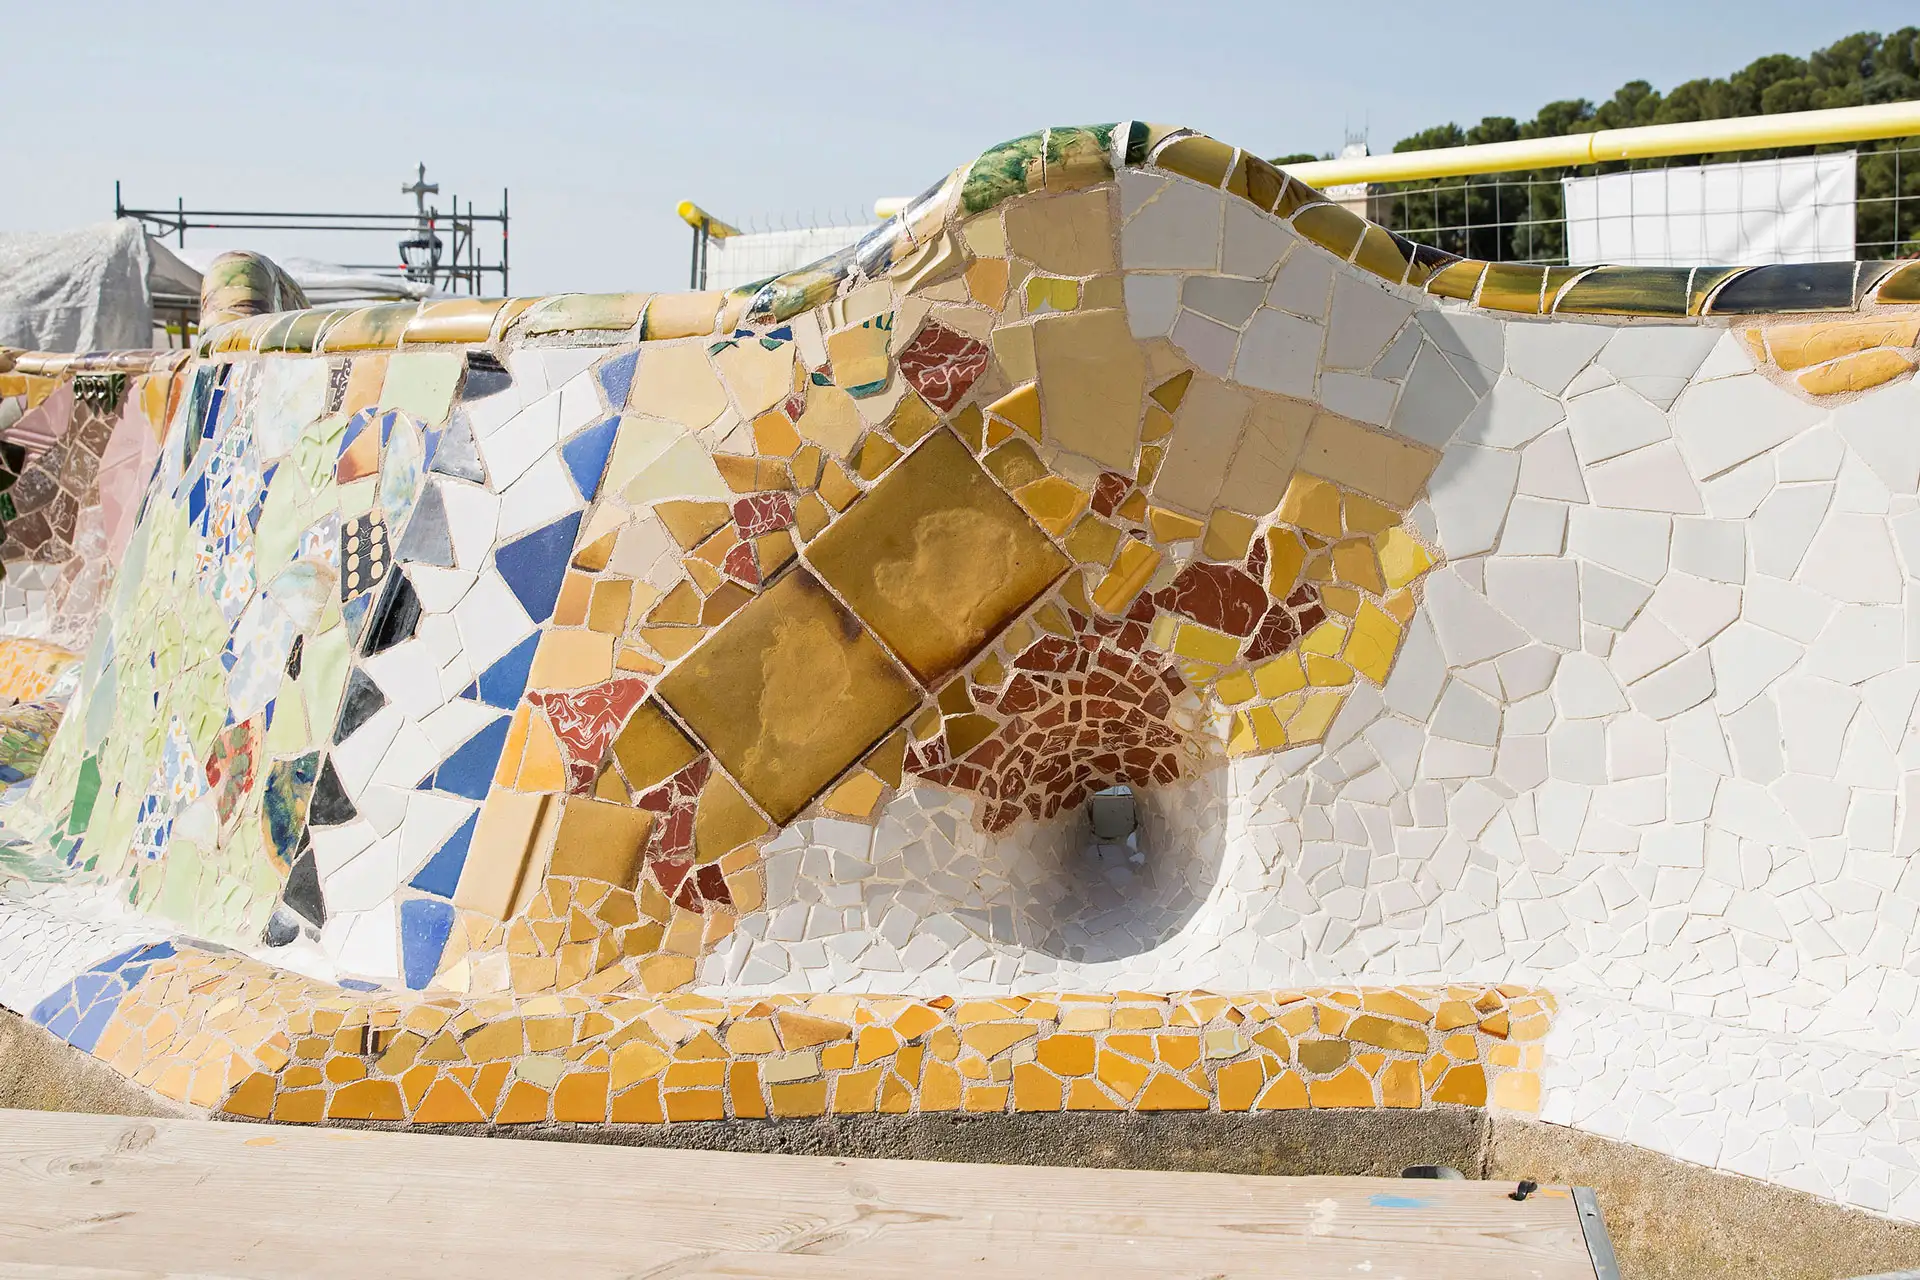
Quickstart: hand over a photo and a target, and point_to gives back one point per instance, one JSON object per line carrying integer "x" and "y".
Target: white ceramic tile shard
{"x": 1436, "y": 399}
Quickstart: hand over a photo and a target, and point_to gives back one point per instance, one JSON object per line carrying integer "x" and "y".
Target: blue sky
{"x": 601, "y": 116}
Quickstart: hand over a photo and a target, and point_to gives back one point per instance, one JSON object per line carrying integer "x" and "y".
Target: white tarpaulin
{"x": 1752, "y": 212}
{"x": 82, "y": 290}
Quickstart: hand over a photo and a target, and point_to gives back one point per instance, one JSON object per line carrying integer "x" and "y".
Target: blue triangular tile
{"x": 441, "y": 875}
{"x": 586, "y": 456}
{"x": 534, "y": 566}
{"x": 470, "y": 768}
{"x": 424, "y": 926}
{"x": 501, "y": 684}
{"x": 616, "y": 379}
{"x": 355, "y": 426}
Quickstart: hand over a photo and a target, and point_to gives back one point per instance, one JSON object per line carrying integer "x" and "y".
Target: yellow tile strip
{"x": 228, "y": 1032}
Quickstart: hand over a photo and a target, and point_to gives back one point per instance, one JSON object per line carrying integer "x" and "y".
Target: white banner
{"x": 1755, "y": 211}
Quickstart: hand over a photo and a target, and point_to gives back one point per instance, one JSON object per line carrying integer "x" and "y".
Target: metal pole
{"x": 504, "y": 290}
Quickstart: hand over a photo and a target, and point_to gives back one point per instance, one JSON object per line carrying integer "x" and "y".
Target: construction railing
{"x": 1843, "y": 183}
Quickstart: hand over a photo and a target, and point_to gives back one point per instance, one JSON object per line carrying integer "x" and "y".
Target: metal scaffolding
{"x": 454, "y": 264}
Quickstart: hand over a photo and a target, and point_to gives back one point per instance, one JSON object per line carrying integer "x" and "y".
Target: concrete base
{"x": 1673, "y": 1219}
{"x": 1353, "y": 1143}
{"x": 39, "y": 1072}
{"x": 1668, "y": 1219}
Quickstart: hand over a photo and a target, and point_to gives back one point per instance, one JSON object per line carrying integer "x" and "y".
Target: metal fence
{"x": 1522, "y": 217}
{"x": 769, "y": 247}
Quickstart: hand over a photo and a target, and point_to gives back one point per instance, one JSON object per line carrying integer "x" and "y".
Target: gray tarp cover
{"x": 82, "y": 290}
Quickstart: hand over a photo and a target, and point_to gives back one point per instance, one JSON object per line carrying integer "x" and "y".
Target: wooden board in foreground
{"x": 100, "y": 1197}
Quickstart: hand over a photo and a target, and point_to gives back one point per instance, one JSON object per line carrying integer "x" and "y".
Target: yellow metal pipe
{"x": 1696, "y": 137}
{"x": 694, "y": 216}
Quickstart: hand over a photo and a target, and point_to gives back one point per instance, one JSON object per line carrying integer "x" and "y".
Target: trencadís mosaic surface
{"x": 626, "y": 708}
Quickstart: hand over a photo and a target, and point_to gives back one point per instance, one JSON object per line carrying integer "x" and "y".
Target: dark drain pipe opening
{"x": 1113, "y": 814}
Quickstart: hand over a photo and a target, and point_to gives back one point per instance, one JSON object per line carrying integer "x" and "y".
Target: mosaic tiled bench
{"x": 657, "y": 709}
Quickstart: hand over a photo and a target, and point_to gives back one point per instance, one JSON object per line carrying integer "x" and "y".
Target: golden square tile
{"x": 937, "y": 558}
{"x": 599, "y": 841}
{"x": 789, "y": 692}
{"x": 651, "y": 748}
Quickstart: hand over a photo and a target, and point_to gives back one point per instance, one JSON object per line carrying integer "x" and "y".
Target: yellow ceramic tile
{"x": 1203, "y": 159}
{"x": 1227, "y": 535}
{"x": 1798, "y": 346}
{"x": 677, "y": 384}
{"x": 681, "y": 315}
{"x": 1092, "y": 541}
{"x": 831, "y": 421}
{"x": 937, "y": 558}
{"x": 774, "y": 436}
{"x": 987, "y": 282}
{"x": 723, "y": 820}
{"x": 1131, "y": 571}
{"x": 1092, "y": 378}
{"x": 856, "y": 797}
{"x": 1401, "y": 558}
{"x": 1466, "y": 1085}
{"x": 1055, "y": 502}
{"x": 1205, "y": 644}
{"x": 1312, "y": 504}
{"x": 1234, "y": 688}
{"x": 581, "y": 311}
{"x": 1857, "y": 372}
{"x": 1050, "y": 293}
{"x": 788, "y": 693}
{"x": 859, "y": 355}
{"x": 1168, "y": 1091}
{"x": 1371, "y": 643}
{"x": 1172, "y": 526}
{"x": 496, "y": 862}
{"x": 599, "y": 841}
{"x": 1069, "y": 235}
{"x": 691, "y": 523}
{"x": 1350, "y": 1088}
{"x": 651, "y": 748}
{"x": 1460, "y": 280}
{"x": 1021, "y": 407}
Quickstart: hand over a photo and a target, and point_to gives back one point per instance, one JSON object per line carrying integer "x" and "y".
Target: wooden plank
{"x": 113, "y": 1198}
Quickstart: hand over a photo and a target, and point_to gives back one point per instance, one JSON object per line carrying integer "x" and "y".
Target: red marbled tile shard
{"x": 739, "y": 565}
{"x": 1276, "y": 635}
{"x": 1109, "y": 491}
{"x": 713, "y": 885}
{"x": 676, "y": 833}
{"x": 584, "y": 720}
{"x": 762, "y": 513}
{"x": 1050, "y": 654}
{"x": 942, "y": 363}
{"x": 670, "y": 872}
{"x": 1217, "y": 596}
{"x": 1257, "y": 559}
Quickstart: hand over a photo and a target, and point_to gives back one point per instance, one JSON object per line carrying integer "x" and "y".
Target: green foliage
{"x": 1519, "y": 216}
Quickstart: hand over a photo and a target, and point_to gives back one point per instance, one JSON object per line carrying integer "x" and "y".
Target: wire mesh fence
{"x": 1673, "y": 210}
{"x": 757, "y": 254}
